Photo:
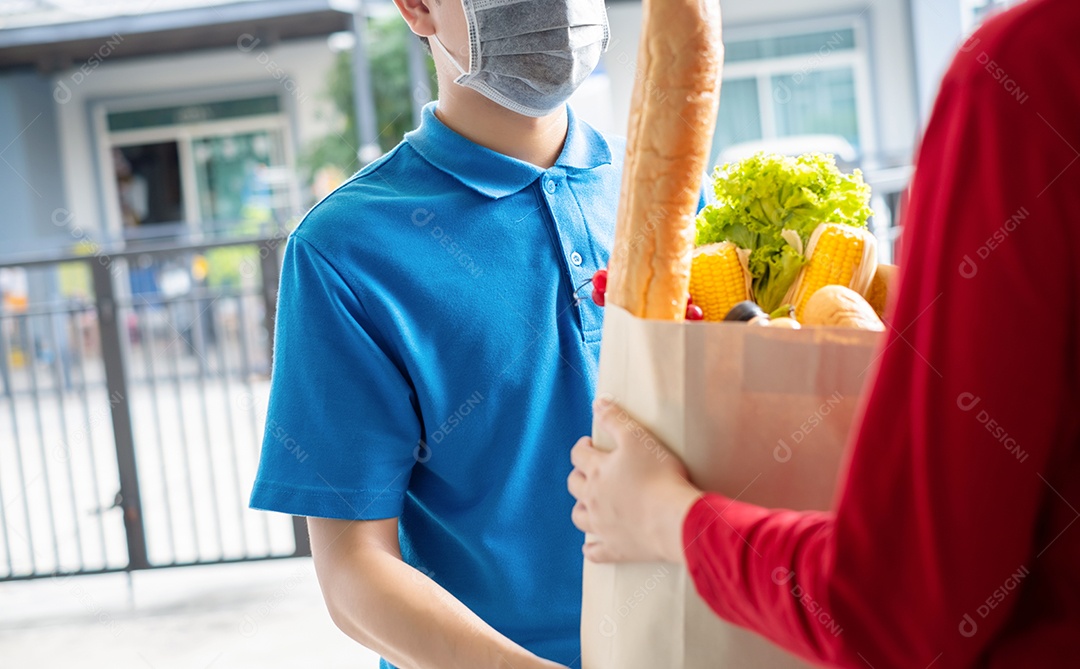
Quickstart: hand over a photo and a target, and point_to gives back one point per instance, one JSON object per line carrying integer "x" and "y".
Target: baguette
{"x": 672, "y": 120}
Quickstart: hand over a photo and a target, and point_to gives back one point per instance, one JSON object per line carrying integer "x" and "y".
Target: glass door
{"x": 218, "y": 168}
{"x": 243, "y": 181}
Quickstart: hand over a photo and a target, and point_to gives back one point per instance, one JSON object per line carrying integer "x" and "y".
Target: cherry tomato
{"x": 599, "y": 280}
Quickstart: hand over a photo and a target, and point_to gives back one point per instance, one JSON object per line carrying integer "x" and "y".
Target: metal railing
{"x": 131, "y": 415}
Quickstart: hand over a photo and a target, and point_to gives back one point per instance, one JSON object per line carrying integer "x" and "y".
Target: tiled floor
{"x": 262, "y": 615}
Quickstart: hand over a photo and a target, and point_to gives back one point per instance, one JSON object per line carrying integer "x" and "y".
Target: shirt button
{"x": 550, "y": 186}
{"x": 575, "y": 258}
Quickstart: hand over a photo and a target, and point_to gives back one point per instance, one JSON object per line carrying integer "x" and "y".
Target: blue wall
{"x": 31, "y": 178}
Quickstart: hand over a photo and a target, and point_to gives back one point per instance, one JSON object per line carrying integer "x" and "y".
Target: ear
{"x": 418, "y": 15}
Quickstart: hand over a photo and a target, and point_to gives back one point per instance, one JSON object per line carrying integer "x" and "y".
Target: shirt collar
{"x": 491, "y": 173}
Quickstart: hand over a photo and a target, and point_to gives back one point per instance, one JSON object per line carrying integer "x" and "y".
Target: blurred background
{"x": 155, "y": 155}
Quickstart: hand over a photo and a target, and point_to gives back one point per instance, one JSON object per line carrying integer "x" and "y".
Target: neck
{"x": 538, "y": 141}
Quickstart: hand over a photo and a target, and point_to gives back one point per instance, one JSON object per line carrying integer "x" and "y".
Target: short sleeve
{"x": 342, "y": 427}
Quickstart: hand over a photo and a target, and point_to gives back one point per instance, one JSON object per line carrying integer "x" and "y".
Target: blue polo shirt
{"x": 434, "y": 362}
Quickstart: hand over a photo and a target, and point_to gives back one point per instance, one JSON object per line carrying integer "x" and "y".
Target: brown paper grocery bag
{"x": 761, "y": 414}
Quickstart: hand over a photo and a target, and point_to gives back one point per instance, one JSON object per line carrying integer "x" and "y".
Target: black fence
{"x": 133, "y": 389}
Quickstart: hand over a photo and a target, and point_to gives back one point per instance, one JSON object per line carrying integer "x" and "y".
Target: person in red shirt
{"x": 953, "y": 540}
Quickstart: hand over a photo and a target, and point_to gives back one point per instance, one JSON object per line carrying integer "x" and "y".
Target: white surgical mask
{"x": 531, "y": 55}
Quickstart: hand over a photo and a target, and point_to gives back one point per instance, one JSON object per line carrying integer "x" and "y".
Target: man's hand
{"x": 631, "y": 501}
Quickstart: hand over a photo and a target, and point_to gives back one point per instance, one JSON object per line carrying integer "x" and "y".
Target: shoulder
{"x": 367, "y": 206}
{"x": 1011, "y": 48}
{"x": 355, "y": 197}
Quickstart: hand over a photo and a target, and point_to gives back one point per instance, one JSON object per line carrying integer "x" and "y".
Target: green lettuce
{"x": 771, "y": 204}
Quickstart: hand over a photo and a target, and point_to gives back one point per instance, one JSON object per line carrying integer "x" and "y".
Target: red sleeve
{"x": 940, "y": 502}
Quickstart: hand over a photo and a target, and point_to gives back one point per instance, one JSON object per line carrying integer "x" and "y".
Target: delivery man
{"x": 433, "y": 361}
{"x": 954, "y": 541}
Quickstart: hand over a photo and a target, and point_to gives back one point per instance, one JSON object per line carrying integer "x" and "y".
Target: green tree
{"x": 388, "y": 57}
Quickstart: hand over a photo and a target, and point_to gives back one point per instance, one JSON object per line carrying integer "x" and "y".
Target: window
{"x": 179, "y": 115}
{"x": 740, "y": 114}
{"x": 821, "y": 103}
{"x": 977, "y": 10}
{"x": 220, "y": 166}
{"x": 785, "y": 83}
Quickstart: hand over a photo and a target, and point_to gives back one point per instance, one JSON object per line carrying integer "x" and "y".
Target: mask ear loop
{"x": 462, "y": 73}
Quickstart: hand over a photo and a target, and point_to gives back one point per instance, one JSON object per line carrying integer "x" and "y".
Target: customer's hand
{"x": 631, "y": 501}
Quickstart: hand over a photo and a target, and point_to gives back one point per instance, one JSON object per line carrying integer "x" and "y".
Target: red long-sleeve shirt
{"x": 954, "y": 539}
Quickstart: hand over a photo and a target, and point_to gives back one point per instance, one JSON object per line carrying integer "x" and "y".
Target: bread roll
{"x": 839, "y": 306}
{"x": 672, "y": 120}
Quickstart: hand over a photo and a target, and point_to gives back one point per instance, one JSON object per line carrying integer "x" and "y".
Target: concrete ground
{"x": 258, "y": 615}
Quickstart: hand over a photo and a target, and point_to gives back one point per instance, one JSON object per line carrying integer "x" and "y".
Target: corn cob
{"x": 883, "y": 283}
{"x": 719, "y": 279}
{"x": 839, "y": 255}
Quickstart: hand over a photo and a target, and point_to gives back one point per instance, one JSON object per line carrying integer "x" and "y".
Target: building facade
{"x": 185, "y": 121}
{"x": 191, "y": 118}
